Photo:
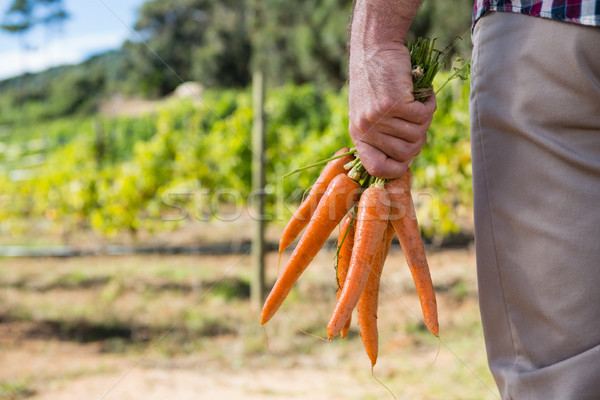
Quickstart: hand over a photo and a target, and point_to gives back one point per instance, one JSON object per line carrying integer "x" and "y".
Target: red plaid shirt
{"x": 585, "y": 12}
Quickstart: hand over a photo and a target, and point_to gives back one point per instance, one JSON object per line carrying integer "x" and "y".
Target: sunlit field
{"x": 182, "y": 326}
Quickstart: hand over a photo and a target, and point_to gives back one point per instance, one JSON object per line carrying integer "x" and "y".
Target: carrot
{"x": 346, "y": 327}
{"x": 369, "y": 299}
{"x": 340, "y": 196}
{"x": 373, "y": 213}
{"x": 345, "y": 244}
{"x": 307, "y": 208}
{"x": 404, "y": 220}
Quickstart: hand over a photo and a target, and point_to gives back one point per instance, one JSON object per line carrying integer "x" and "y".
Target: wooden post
{"x": 257, "y": 291}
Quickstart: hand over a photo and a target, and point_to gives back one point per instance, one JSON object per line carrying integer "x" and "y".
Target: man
{"x": 535, "y": 132}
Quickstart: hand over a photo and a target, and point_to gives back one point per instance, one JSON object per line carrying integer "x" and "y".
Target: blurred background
{"x": 137, "y": 229}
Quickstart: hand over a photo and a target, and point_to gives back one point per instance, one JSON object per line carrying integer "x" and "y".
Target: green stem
{"x": 379, "y": 182}
{"x": 316, "y": 164}
{"x": 461, "y": 72}
{"x": 357, "y": 172}
{"x": 369, "y": 181}
{"x": 443, "y": 84}
{"x": 351, "y": 164}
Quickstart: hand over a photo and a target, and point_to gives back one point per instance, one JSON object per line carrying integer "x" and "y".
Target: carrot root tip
{"x": 266, "y": 336}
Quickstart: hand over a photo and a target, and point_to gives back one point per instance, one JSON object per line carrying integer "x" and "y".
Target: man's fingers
{"x": 396, "y": 127}
{"x": 409, "y": 123}
{"x": 415, "y": 111}
{"x": 378, "y": 164}
{"x": 398, "y": 149}
{"x": 395, "y": 147}
{"x": 431, "y": 103}
{"x": 403, "y": 129}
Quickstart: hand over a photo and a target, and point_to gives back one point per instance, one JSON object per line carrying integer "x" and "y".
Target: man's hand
{"x": 387, "y": 125}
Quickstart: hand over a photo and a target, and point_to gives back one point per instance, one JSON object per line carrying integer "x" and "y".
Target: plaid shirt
{"x": 585, "y": 12}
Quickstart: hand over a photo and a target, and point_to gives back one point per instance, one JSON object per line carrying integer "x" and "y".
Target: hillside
{"x": 68, "y": 90}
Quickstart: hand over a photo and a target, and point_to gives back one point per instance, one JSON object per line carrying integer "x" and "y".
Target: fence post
{"x": 258, "y": 188}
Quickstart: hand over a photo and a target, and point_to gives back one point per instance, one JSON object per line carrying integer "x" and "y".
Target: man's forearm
{"x": 376, "y": 22}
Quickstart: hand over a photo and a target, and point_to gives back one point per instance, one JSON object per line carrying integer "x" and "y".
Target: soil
{"x": 74, "y": 371}
{"x": 56, "y": 369}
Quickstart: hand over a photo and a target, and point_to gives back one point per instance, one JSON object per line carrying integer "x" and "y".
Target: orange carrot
{"x": 369, "y": 299}
{"x": 307, "y": 208}
{"x": 345, "y": 244}
{"x": 404, "y": 220}
{"x": 371, "y": 222}
{"x": 340, "y": 196}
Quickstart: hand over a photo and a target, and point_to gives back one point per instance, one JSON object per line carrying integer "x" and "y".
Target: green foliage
{"x": 311, "y": 47}
{"x": 449, "y": 21}
{"x": 216, "y": 43}
{"x": 22, "y": 15}
{"x": 208, "y": 41}
{"x": 158, "y": 171}
{"x": 222, "y": 58}
{"x": 61, "y": 91}
{"x": 170, "y": 31}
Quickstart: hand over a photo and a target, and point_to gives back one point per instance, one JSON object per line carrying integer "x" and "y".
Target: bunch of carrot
{"x": 370, "y": 212}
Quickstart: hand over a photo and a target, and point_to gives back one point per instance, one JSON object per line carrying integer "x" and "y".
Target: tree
{"x": 171, "y": 33}
{"x": 223, "y": 57}
{"x": 22, "y": 15}
{"x": 304, "y": 41}
{"x": 211, "y": 41}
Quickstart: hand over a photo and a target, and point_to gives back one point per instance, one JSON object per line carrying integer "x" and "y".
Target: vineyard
{"x": 156, "y": 172}
{"x": 125, "y": 326}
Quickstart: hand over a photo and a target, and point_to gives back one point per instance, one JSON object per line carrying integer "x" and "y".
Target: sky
{"x": 94, "y": 26}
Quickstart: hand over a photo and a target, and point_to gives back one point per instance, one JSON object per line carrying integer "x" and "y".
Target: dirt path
{"x": 68, "y": 371}
{"x": 159, "y": 383}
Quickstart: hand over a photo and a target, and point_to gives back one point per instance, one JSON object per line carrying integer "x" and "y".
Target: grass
{"x": 16, "y": 390}
{"x": 197, "y": 308}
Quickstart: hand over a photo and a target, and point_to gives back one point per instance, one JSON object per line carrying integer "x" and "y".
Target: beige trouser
{"x": 535, "y": 120}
